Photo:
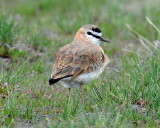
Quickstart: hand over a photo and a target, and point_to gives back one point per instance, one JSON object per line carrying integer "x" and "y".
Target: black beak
{"x": 104, "y": 40}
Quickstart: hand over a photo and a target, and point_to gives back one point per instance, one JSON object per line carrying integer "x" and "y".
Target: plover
{"x": 81, "y": 61}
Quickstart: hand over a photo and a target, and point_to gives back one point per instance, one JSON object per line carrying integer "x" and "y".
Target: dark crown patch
{"x": 96, "y": 30}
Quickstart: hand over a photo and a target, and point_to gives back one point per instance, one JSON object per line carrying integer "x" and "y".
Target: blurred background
{"x": 58, "y": 21}
{"x": 46, "y": 25}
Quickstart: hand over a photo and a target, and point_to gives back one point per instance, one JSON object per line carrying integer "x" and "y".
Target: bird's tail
{"x": 53, "y": 81}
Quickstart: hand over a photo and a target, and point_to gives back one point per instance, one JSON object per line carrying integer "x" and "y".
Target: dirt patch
{"x": 23, "y": 47}
{"x": 137, "y": 6}
{"x": 139, "y": 109}
{"x": 5, "y": 59}
{"x": 24, "y": 125}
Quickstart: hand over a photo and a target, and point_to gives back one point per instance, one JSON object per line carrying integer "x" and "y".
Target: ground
{"x": 126, "y": 94}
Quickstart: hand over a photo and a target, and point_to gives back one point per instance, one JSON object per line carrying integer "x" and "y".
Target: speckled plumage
{"x": 79, "y": 61}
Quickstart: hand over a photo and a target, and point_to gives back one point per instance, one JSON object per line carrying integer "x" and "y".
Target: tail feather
{"x": 53, "y": 81}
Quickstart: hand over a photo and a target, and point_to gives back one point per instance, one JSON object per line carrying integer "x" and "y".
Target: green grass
{"x": 126, "y": 94}
{"x": 8, "y": 29}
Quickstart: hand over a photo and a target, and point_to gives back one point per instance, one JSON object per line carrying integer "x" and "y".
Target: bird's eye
{"x": 89, "y": 33}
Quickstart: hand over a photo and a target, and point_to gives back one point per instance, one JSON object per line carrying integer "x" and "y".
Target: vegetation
{"x": 127, "y": 93}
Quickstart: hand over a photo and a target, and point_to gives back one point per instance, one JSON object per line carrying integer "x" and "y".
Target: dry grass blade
{"x": 151, "y": 23}
{"x": 140, "y": 36}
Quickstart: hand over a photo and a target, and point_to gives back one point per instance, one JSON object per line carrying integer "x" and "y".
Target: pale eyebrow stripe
{"x": 89, "y": 33}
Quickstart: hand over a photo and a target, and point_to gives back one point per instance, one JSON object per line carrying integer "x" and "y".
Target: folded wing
{"x": 73, "y": 60}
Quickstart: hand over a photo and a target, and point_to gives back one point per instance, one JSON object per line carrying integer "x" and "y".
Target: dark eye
{"x": 89, "y": 33}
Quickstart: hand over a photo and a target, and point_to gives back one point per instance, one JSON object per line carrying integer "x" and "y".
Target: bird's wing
{"x": 73, "y": 60}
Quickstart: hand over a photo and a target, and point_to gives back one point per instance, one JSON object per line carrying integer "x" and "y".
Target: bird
{"x": 81, "y": 61}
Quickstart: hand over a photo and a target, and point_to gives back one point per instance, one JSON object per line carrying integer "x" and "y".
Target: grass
{"x": 8, "y": 30}
{"x": 127, "y": 93}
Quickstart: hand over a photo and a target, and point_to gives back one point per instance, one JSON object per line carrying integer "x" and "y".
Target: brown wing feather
{"x": 75, "y": 59}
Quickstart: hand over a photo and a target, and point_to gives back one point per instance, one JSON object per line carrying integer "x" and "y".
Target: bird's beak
{"x": 104, "y": 40}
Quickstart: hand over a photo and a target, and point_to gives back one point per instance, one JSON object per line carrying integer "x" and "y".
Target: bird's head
{"x": 90, "y": 33}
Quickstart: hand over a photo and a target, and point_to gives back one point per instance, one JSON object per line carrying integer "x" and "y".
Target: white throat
{"x": 96, "y": 41}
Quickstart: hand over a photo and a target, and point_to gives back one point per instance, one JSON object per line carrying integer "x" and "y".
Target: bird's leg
{"x": 82, "y": 93}
{"x": 69, "y": 90}
{"x": 81, "y": 89}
